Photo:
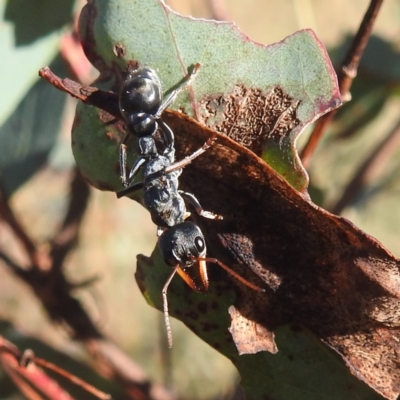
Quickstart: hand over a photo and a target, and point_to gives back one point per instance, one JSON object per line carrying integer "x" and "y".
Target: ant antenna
{"x": 203, "y": 273}
{"x": 165, "y": 305}
{"x": 231, "y": 272}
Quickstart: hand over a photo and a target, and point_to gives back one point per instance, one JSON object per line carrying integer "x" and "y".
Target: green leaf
{"x": 24, "y": 57}
{"x": 29, "y": 134}
{"x": 294, "y": 78}
{"x": 49, "y": 16}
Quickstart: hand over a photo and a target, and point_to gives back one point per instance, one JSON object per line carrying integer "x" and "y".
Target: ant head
{"x": 141, "y": 124}
{"x": 182, "y": 243}
{"x": 140, "y": 93}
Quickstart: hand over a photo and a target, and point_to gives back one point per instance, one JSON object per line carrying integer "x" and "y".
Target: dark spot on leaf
{"x": 132, "y": 65}
{"x": 216, "y": 345}
{"x": 119, "y": 50}
{"x": 192, "y": 315}
{"x": 208, "y": 327}
{"x": 250, "y": 117}
{"x": 202, "y": 307}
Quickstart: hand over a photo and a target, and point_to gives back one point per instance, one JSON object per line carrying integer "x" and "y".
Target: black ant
{"x": 141, "y": 105}
{"x": 181, "y": 242}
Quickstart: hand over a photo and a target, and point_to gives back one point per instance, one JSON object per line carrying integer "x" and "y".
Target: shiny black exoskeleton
{"x": 161, "y": 194}
{"x": 141, "y": 104}
{"x": 182, "y": 244}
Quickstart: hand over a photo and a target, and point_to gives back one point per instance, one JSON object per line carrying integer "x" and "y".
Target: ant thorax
{"x": 160, "y": 195}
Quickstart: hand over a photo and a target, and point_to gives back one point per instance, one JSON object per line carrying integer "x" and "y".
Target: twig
{"x": 346, "y": 76}
{"x": 106, "y": 101}
{"x": 26, "y": 358}
{"x": 369, "y": 169}
{"x": 67, "y": 236}
{"x": 62, "y": 307}
{"x": 37, "y": 258}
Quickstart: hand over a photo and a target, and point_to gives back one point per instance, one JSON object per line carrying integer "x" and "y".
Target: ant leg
{"x": 167, "y": 133}
{"x": 187, "y": 160}
{"x": 165, "y": 305}
{"x": 122, "y": 163}
{"x": 188, "y": 79}
{"x": 130, "y": 189}
{"x": 191, "y": 198}
{"x": 123, "y": 160}
{"x": 232, "y": 272}
{"x": 135, "y": 169}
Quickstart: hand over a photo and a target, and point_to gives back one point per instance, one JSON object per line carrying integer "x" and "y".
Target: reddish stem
{"x": 346, "y": 76}
{"x": 369, "y": 169}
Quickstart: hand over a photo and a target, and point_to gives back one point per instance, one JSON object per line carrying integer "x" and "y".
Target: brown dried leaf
{"x": 321, "y": 271}
{"x": 250, "y": 117}
{"x": 250, "y": 337}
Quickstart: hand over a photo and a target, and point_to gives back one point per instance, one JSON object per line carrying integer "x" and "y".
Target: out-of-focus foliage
{"x": 115, "y": 232}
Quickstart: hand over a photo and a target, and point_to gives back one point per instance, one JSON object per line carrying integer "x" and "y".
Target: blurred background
{"x": 35, "y": 126}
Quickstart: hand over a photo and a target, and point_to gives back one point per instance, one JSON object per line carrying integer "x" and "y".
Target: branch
{"x": 67, "y": 236}
{"x": 16, "y": 364}
{"x": 369, "y": 169}
{"x": 53, "y": 290}
{"x": 346, "y": 76}
{"x": 37, "y": 258}
{"x": 107, "y": 101}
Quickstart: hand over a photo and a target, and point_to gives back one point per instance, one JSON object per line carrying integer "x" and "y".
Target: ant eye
{"x": 200, "y": 245}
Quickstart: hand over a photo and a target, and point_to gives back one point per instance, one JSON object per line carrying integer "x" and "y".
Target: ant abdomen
{"x": 140, "y": 93}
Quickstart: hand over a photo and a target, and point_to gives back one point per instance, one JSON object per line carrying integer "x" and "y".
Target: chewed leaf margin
{"x": 296, "y": 72}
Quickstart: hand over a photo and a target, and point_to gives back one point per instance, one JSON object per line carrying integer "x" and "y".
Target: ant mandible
{"x": 183, "y": 246}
